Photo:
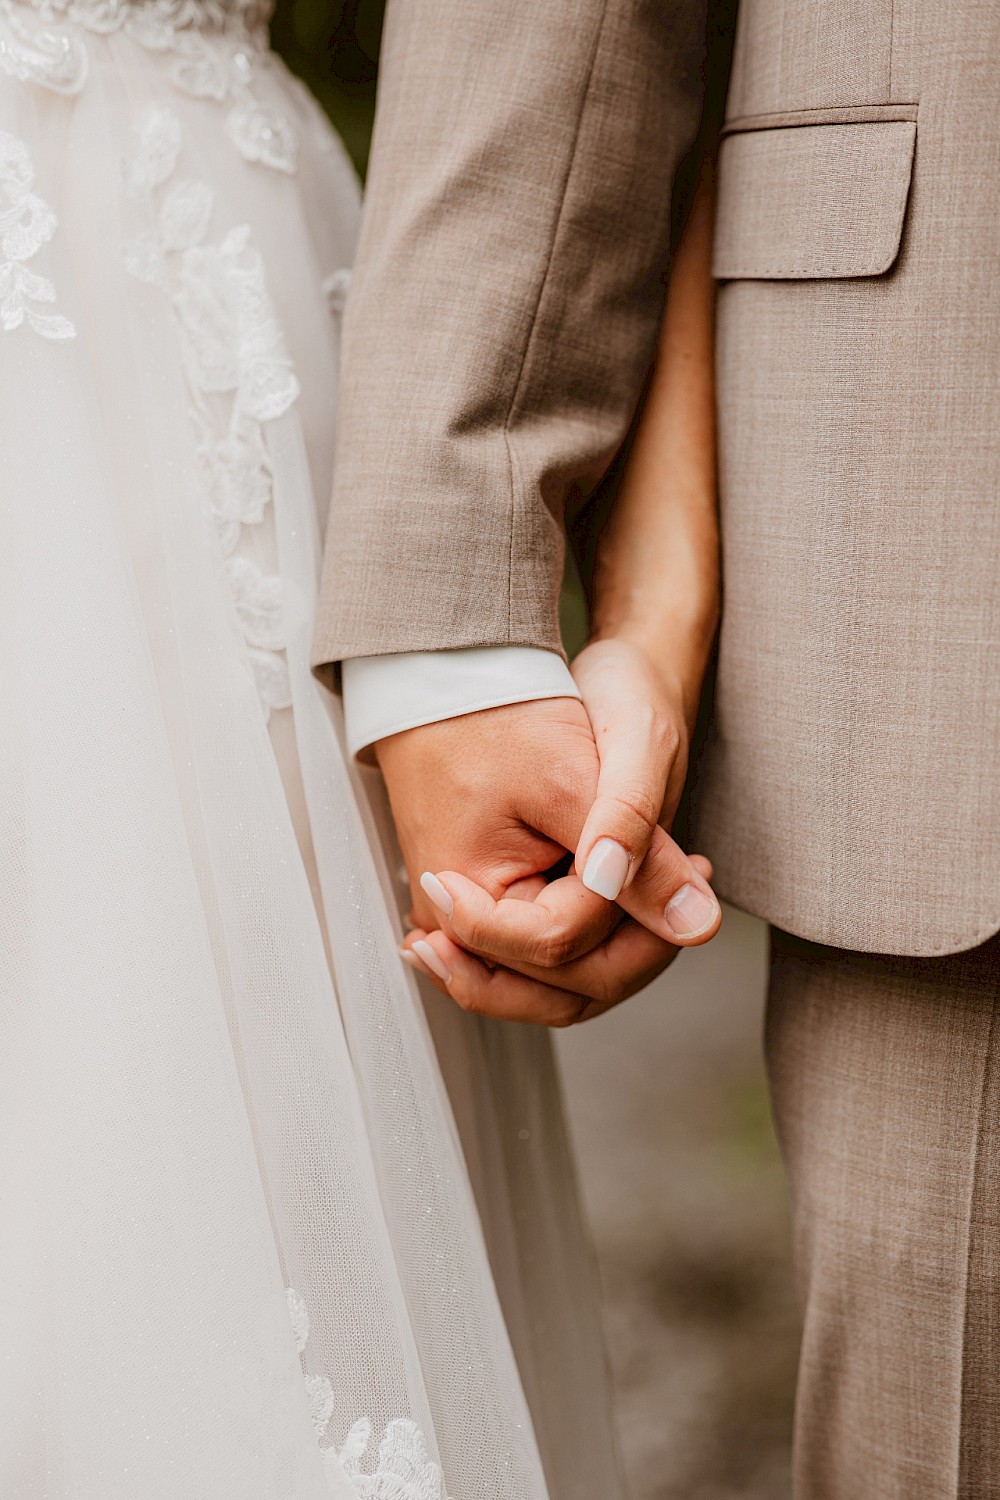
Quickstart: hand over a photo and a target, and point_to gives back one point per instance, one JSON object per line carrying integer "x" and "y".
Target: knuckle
{"x": 468, "y": 999}
{"x": 566, "y": 1013}
{"x": 637, "y": 804}
{"x": 665, "y": 868}
{"x": 666, "y": 739}
{"x": 615, "y": 990}
{"x": 658, "y": 731}
{"x": 474, "y": 931}
{"x": 569, "y": 780}
{"x": 555, "y": 948}
{"x": 609, "y": 988}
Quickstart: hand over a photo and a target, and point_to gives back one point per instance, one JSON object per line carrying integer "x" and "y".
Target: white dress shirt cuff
{"x": 384, "y": 695}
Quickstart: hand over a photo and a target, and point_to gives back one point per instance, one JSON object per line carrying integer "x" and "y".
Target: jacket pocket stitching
{"x": 816, "y": 271}
{"x": 852, "y": 114}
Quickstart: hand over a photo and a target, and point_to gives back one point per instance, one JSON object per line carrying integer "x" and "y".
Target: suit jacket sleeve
{"x": 504, "y": 308}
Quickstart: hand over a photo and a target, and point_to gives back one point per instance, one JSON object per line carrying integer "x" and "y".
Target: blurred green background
{"x": 667, "y": 1103}
{"x": 333, "y": 46}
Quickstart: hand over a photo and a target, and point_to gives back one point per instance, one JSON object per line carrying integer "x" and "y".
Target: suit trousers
{"x": 885, "y": 1080}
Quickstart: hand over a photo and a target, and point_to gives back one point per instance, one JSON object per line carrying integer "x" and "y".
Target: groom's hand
{"x": 500, "y": 796}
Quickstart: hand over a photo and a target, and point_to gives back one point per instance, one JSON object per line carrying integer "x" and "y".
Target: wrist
{"x": 675, "y": 644}
{"x": 645, "y": 696}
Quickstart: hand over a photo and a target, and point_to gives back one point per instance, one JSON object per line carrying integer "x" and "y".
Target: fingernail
{"x": 435, "y": 891}
{"x": 410, "y": 958}
{"x": 690, "y": 912}
{"x": 606, "y": 869}
{"x": 436, "y": 965}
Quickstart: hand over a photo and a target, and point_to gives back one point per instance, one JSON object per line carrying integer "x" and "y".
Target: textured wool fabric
{"x": 850, "y": 789}
{"x": 838, "y": 195}
{"x": 504, "y": 309}
{"x": 502, "y": 317}
{"x": 885, "y": 1076}
{"x": 794, "y": 55}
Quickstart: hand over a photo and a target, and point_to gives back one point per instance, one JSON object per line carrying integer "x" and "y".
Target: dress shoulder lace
{"x": 26, "y": 224}
{"x": 212, "y": 50}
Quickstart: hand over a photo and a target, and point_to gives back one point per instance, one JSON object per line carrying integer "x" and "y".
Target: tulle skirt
{"x": 246, "y": 1169}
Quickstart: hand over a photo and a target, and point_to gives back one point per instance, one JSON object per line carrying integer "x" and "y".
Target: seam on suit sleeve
{"x": 543, "y": 283}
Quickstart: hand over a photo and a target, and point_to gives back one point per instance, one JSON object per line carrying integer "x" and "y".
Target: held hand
{"x": 640, "y": 718}
{"x": 500, "y": 795}
{"x": 560, "y": 996}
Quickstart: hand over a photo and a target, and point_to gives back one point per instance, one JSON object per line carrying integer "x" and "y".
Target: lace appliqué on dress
{"x": 232, "y": 348}
{"x": 400, "y": 1470}
{"x": 26, "y": 224}
{"x": 213, "y": 47}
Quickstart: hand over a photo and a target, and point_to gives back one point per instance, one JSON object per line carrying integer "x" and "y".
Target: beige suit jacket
{"x": 505, "y": 306}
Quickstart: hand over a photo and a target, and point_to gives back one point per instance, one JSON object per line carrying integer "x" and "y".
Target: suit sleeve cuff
{"x": 384, "y": 695}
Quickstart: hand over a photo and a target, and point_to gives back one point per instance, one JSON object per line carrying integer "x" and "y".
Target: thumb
{"x": 631, "y": 789}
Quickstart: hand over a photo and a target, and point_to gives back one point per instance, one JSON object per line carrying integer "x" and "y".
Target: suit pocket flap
{"x": 812, "y": 201}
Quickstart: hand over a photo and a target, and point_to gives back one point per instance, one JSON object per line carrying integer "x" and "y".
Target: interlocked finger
{"x": 564, "y": 920}
{"x": 671, "y": 896}
{"x": 589, "y": 986}
{"x": 490, "y": 992}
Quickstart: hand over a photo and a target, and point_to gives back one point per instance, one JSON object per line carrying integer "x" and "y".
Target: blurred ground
{"x": 687, "y": 1200}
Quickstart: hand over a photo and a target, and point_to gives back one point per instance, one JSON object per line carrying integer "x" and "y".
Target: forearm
{"x": 503, "y": 310}
{"x": 656, "y": 580}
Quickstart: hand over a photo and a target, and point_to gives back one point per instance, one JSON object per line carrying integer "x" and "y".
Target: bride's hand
{"x": 641, "y": 714}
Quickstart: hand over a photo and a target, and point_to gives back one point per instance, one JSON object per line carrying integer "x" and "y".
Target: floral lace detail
{"x": 57, "y": 59}
{"x": 214, "y": 47}
{"x": 233, "y": 349}
{"x": 400, "y": 1470}
{"x": 26, "y": 224}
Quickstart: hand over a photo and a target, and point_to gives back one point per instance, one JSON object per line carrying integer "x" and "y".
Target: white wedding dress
{"x": 256, "y": 1204}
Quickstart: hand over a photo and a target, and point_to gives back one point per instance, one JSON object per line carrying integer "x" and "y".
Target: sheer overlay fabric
{"x": 242, "y": 1250}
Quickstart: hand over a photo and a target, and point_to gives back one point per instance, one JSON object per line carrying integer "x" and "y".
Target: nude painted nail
{"x": 435, "y": 891}
{"x": 436, "y": 965}
{"x": 411, "y": 959}
{"x": 606, "y": 869}
{"x": 690, "y": 912}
